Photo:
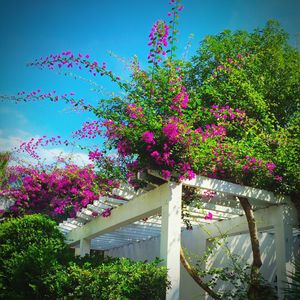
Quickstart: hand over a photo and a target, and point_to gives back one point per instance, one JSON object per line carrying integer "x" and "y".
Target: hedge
{"x": 35, "y": 263}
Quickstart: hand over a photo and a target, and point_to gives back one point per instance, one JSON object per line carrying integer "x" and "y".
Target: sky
{"x": 34, "y": 28}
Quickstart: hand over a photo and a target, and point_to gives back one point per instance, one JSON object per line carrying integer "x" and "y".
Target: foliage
{"x": 30, "y": 248}
{"x": 37, "y": 264}
{"x": 115, "y": 279}
{"x": 4, "y": 159}
{"x": 256, "y": 71}
{"x": 259, "y": 72}
{"x": 232, "y": 113}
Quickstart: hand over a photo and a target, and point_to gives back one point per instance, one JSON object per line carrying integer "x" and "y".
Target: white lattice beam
{"x": 142, "y": 206}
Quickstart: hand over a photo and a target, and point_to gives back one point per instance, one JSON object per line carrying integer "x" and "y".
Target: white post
{"x": 170, "y": 238}
{"x": 85, "y": 247}
{"x": 77, "y": 251}
{"x": 283, "y": 244}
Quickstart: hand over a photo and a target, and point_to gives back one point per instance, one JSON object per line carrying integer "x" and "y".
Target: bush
{"x": 113, "y": 279}
{"x": 31, "y": 248}
{"x": 35, "y": 263}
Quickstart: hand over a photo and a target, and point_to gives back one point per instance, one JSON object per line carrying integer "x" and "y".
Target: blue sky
{"x": 31, "y": 29}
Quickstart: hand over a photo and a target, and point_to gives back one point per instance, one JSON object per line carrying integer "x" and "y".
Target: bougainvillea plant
{"x": 163, "y": 121}
{"x": 59, "y": 191}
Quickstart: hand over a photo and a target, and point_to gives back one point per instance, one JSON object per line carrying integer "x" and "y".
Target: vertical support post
{"x": 85, "y": 247}
{"x": 170, "y": 238}
{"x": 283, "y": 245}
{"x": 205, "y": 264}
{"x": 77, "y": 251}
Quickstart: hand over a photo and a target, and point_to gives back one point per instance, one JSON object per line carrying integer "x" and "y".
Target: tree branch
{"x": 256, "y": 264}
{"x": 195, "y": 276}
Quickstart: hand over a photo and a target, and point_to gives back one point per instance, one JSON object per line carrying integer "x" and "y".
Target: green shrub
{"x": 112, "y": 279}
{"x": 30, "y": 249}
{"x": 35, "y": 263}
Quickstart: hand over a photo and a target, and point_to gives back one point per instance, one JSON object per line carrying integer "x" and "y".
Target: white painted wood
{"x": 128, "y": 192}
{"x": 85, "y": 247}
{"x": 224, "y": 209}
{"x": 230, "y": 188}
{"x": 194, "y": 212}
{"x": 239, "y": 225}
{"x": 142, "y": 206}
{"x": 77, "y": 251}
{"x": 283, "y": 246}
{"x": 170, "y": 237}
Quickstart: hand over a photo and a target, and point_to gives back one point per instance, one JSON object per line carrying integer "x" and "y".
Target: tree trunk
{"x": 197, "y": 279}
{"x": 253, "y": 291}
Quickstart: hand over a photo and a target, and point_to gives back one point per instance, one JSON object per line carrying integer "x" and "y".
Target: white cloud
{"x": 79, "y": 158}
{"x": 8, "y": 143}
{"x": 12, "y": 142}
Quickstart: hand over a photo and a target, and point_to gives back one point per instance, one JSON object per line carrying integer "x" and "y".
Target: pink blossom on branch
{"x": 209, "y": 216}
{"x": 166, "y": 174}
{"x": 148, "y": 137}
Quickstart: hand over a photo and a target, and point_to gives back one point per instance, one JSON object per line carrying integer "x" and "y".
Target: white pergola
{"x": 156, "y": 210}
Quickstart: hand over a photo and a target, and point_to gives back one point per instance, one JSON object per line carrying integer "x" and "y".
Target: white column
{"x": 283, "y": 244}
{"x": 85, "y": 247}
{"x": 170, "y": 238}
{"x": 77, "y": 251}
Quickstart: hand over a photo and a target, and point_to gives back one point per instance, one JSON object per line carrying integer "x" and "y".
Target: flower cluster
{"x": 134, "y": 112}
{"x": 89, "y": 130}
{"x": 30, "y": 147}
{"x": 57, "y": 192}
{"x": 158, "y": 40}
{"x": 227, "y": 113}
{"x": 180, "y": 101}
{"x": 229, "y": 64}
{"x": 95, "y": 155}
{"x": 211, "y": 131}
{"x": 38, "y": 95}
{"x": 69, "y": 60}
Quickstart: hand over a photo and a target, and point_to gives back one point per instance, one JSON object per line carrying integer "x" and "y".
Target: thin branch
{"x": 193, "y": 273}
{"x": 256, "y": 264}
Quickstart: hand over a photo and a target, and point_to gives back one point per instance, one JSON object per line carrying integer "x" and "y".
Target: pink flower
{"x": 106, "y": 213}
{"x": 123, "y": 148}
{"x": 270, "y": 166}
{"x": 110, "y": 182}
{"x": 209, "y": 216}
{"x": 155, "y": 154}
{"x": 171, "y": 132}
{"x": 166, "y": 174}
{"x": 191, "y": 174}
{"x": 85, "y": 202}
{"x": 95, "y": 155}
{"x": 95, "y": 214}
{"x": 180, "y": 8}
{"x": 148, "y": 137}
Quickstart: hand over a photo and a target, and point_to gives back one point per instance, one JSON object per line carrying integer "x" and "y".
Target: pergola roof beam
{"x": 142, "y": 206}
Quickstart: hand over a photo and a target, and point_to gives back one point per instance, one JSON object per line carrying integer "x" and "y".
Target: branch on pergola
{"x": 256, "y": 264}
{"x": 193, "y": 273}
